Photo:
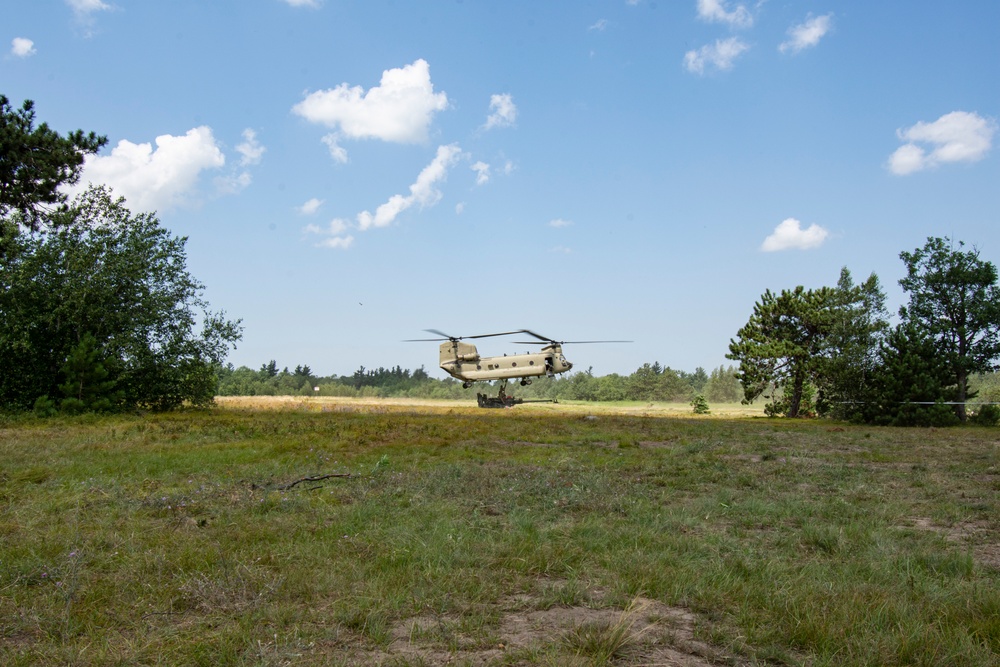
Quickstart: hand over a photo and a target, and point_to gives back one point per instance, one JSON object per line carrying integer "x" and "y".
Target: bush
{"x": 986, "y": 415}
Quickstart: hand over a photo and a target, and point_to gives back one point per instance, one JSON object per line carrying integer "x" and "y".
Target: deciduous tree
{"x": 955, "y": 302}
{"x": 122, "y": 279}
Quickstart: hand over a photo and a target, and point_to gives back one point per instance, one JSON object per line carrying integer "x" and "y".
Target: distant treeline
{"x": 650, "y": 382}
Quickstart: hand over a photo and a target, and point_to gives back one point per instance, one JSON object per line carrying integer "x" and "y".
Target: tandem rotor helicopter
{"x": 462, "y": 361}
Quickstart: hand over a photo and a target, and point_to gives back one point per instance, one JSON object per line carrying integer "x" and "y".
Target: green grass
{"x": 165, "y": 539}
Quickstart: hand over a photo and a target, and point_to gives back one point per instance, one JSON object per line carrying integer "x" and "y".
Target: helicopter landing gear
{"x": 466, "y": 385}
{"x": 525, "y": 382}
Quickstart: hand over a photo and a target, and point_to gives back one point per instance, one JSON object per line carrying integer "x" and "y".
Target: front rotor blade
{"x": 442, "y": 334}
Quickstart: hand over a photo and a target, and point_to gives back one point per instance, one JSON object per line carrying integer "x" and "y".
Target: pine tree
{"x": 87, "y": 386}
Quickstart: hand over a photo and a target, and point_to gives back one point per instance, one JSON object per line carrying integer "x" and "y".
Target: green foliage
{"x": 955, "y": 302}
{"x": 851, "y": 355}
{"x": 45, "y": 407}
{"x": 87, "y": 387}
{"x": 723, "y": 386}
{"x": 34, "y": 163}
{"x": 120, "y": 278}
{"x": 987, "y": 415}
{"x": 910, "y": 384}
{"x": 783, "y": 342}
{"x": 781, "y": 405}
{"x": 700, "y": 405}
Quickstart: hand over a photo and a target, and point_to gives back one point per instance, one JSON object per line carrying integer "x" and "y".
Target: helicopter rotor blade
{"x": 455, "y": 339}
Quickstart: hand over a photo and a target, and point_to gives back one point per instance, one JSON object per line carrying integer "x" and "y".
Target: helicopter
{"x": 462, "y": 361}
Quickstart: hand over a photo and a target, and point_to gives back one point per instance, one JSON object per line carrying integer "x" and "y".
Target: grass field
{"x": 544, "y": 534}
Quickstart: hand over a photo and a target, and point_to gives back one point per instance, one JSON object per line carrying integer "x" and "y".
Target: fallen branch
{"x": 314, "y": 478}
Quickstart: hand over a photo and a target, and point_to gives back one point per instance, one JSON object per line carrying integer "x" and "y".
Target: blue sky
{"x": 350, "y": 173}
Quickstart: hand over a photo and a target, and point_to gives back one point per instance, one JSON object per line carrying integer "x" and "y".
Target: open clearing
{"x": 380, "y": 532}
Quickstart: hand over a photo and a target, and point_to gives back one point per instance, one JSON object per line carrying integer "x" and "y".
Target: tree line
{"x": 831, "y": 350}
{"x": 650, "y": 382}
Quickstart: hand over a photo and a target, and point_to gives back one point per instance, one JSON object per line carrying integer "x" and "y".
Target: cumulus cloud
{"x": 400, "y": 109}
{"x": 716, "y": 11}
{"x": 310, "y": 206}
{"x": 22, "y": 47}
{"x": 482, "y": 172}
{"x": 424, "y": 192}
{"x": 559, "y": 222}
{"x": 958, "y": 136}
{"x": 503, "y": 111}
{"x": 720, "y": 55}
{"x": 789, "y": 235}
{"x": 807, "y": 34}
{"x": 250, "y": 149}
{"x": 161, "y": 178}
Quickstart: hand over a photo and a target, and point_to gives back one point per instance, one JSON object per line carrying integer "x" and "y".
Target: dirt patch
{"x": 975, "y": 534}
{"x": 653, "y": 634}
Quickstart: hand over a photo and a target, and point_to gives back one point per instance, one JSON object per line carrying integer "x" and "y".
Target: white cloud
{"x": 341, "y": 242}
{"x": 22, "y": 47}
{"x": 789, "y": 235}
{"x": 958, "y": 136}
{"x": 335, "y": 233}
{"x": 503, "y": 111}
{"x": 807, "y": 34}
{"x": 310, "y": 206}
{"x": 303, "y": 3}
{"x": 157, "y": 179}
{"x": 84, "y": 8}
{"x": 562, "y": 250}
{"x": 250, "y": 150}
{"x": 337, "y": 152}
{"x": 720, "y": 55}
{"x": 423, "y": 192}
{"x": 600, "y": 26}
{"x": 460, "y": 208}
{"x": 559, "y": 222}
{"x": 233, "y": 183}
{"x": 400, "y": 109}
{"x": 482, "y": 172}
{"x": 715, "y": 11}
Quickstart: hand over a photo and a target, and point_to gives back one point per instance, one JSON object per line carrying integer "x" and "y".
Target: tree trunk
{"x": 960, "y": 396}
{"x": 796, "y": 400}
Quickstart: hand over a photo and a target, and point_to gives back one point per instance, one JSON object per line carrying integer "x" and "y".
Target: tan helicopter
{"x": 462, "y": 361}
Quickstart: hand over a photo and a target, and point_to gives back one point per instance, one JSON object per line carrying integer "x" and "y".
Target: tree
{"x": 783, "y": 342}
{"x": 35, "y": 162}
{"x": 87, "y": 386}
{"x": 859, "y": 325}
{"x": 911, "y": 383}
{"x": 954, "y": 302}
{"x": 723, "y": 386}
{"x": 120, "y": 278}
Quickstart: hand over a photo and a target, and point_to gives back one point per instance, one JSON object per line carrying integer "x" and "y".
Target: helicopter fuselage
{"x": 462, "y": 361}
